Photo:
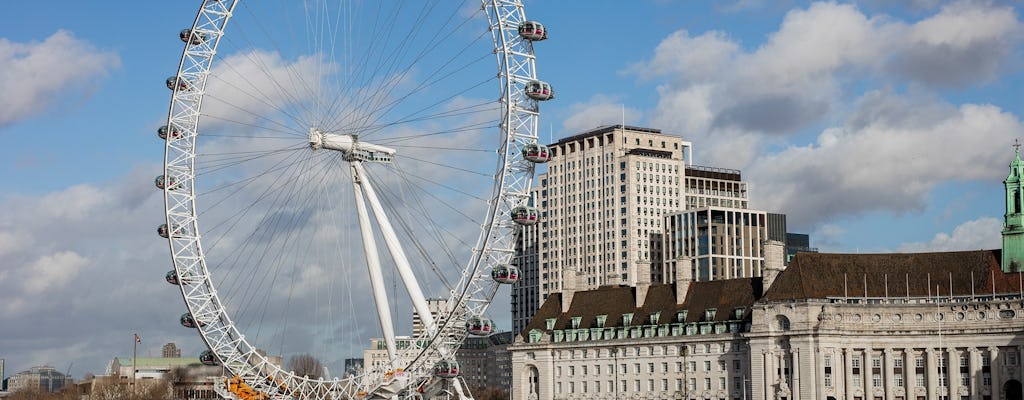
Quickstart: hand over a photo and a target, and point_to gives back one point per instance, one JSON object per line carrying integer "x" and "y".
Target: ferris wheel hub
{"x": 350, "y": 146}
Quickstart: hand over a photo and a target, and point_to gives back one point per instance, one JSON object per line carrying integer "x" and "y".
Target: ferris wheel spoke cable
{"x": 390, "y": 64}
{"x": 381, "y": 109}
{"x": 431, "y": 223}
{"x": 238, "y": 266}
{"x": 291, "y": 132}
{"x": 452, "y": 96}
{"x": 214, "y": 164}
{"x": 460, "y": 111}
{"x": 359, "y": 80}
{"x": 296, "y": 79}
{"x": 257, "y": 93}
{"x": 389, "y": 199}
{"x": 284, "y": 230}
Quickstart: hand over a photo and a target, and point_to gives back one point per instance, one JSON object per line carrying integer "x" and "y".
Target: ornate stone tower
{"x": 1013, "y": 220}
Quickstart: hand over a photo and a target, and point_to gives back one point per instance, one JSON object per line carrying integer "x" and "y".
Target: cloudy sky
{"x": 875, "y": 126}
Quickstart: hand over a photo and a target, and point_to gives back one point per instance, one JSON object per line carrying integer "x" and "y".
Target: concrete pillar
{"x": 848, "y": 355}
{"x": 888, "y": 379}
{"x": 997, "y": 381}
{"x": 953, "y": 372}
{"x": 794, "y": 373}
{"x": 974, "y": 369}
{"x": 931, "y": 373}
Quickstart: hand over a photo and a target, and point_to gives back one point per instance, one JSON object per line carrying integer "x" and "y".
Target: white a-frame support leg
{"x": 397, "y": 253}
{"x": 380, "y": 296}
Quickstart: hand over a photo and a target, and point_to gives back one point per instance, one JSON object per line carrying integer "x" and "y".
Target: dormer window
{"x": 709, "y": 314}
{"x": 627, "y": 319}
{"x": 576, "y": 322}
{"x": 549, "y": 323}
{"x": 681, "y": 316}
{"x": 535, "y": 336}
{"x": 738, "y": 313}
{"x": 601, "y": 320}
{"x": 655, "y": 317}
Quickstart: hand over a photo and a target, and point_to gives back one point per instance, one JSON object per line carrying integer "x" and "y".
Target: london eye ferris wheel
{"x": 327, "y": 165}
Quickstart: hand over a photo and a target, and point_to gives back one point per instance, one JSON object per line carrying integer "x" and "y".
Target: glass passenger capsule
{"x": 446, "y": 369}
{"x": 171, "y": 183}
{"x": 182, "y": 83}
{"x": 189, "y": 322}
{"x": 208, "y": 358}
{"x": 539, "y": 90}
{"x": 172, "y": 277}
{"x": 525, "y": 215}
{"x": 505, "y": 273}
{"x": 479, "y": 326}
{"x": 536, "y": 153}
{"x": 533, "y": 31}
{"x": 163, "y": 131}
{"x": 162, "y": 230}
{"x": 187, "y": 36}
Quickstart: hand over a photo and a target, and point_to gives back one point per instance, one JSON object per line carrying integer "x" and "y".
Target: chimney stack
{"x": 774, "y": 261}
{"x": 570, "y": 284}
{"x": 684, "y": 276}
{"x": 643, "y": 283}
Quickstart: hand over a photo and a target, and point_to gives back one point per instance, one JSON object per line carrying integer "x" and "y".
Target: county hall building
{"x": 898, "y": 326}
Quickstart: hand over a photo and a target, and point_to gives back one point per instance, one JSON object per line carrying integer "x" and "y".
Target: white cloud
{"x": 35, "y": 75}
{"x": 884, "y": 162}
{"x": 597, "y": 111}
{"x": 982, "y": 233}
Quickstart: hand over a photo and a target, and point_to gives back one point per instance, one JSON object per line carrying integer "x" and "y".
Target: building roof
{"x": 157, "y": 361}
{"x": 614, "y": 301}
{"x": 605, "y": 129}
{"x": 894, "y": 275}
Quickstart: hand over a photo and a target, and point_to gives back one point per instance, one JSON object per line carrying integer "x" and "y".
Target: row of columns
{"x": 806, "y": 380}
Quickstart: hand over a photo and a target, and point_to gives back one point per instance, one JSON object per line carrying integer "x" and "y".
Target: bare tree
{"x": 155, "y": 389}
{"x": 306, "y": 365}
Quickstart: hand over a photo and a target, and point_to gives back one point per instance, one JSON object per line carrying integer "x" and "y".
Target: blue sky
{"x": 875, "y": 125}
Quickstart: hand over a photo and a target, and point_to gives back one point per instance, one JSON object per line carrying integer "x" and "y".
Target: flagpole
{"x": 135, "y": 357}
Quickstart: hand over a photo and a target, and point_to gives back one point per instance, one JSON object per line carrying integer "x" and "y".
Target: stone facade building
{"x": 947, "y": 325}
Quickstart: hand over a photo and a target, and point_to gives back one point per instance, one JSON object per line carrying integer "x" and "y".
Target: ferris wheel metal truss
{"x": 473, "y": 293}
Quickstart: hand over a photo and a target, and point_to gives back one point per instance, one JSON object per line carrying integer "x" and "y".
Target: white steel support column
{"x": 419, "y": 302}
{"x": 380, "y": 295}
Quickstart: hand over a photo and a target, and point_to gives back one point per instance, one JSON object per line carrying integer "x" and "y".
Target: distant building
{"x": 485, "y": 361}
{"x": 601, "y": 200}
{"x": 42, "y": 378}
{"x": 171, "y": 350}
{"x": 777, "y": 227}
{"x": 189, "y": 379}
{"x": 716, "y": 242}
{"x": 798, "y": 243}
{"x": 353, "y": 366}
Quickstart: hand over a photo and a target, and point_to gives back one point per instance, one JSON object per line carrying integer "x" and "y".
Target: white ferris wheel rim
{"x": 494, "y": 245}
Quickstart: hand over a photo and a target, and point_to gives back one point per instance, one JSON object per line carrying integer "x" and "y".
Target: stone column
{"x": 931, "y": 373}
{"x": 953, "y": 372}
{"x": 994, "y": 362}
{"x": 848, "y": 373}
{"x": 795, "y": 375}
{"x": 888, "y": 380}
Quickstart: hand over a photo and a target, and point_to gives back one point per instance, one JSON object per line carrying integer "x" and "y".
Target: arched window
{"x": 782, "y": 323}
{"x": 532, "y": 381}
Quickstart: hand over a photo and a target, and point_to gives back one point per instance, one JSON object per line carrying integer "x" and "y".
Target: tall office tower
{"x": 601, "y": 200}
{"x": 720, "y": 242}
{"x": 437, "y": 307}
{"x": 525, "y": 293}
{"x": 171, "y": 350}
{"x": 717, "y": 231}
